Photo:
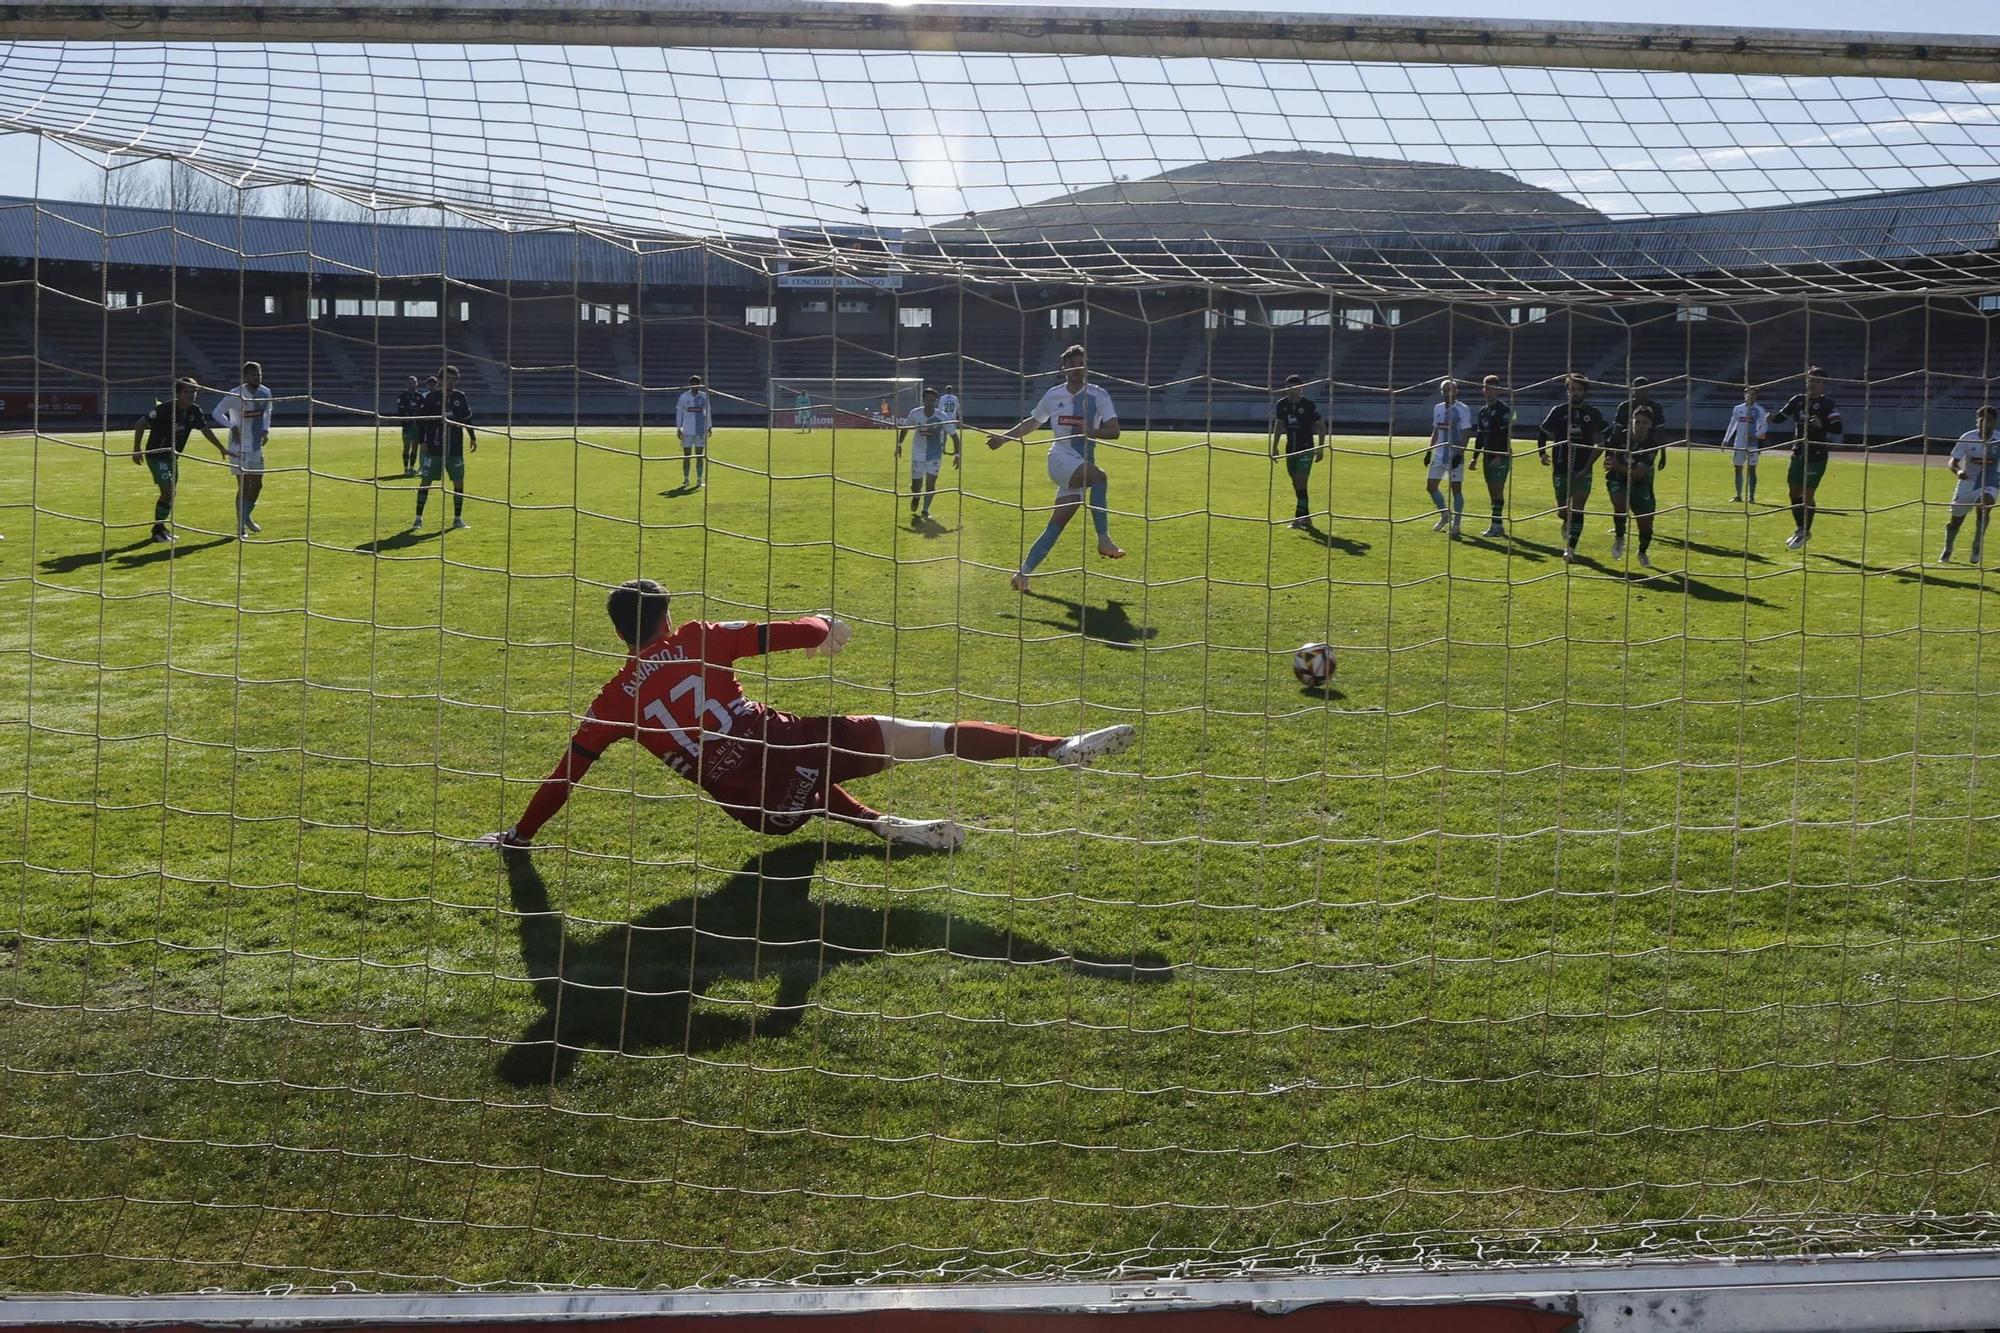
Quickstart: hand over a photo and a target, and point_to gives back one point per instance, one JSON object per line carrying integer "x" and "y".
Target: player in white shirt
{"x": 930, "y": 426}
{"x": 692, "y": 418}
{"x": 1444, "y": 460}
{"x": 246, "y": 410}
{"x": 948, "y": 405}
{"x": 1748, "y": 425}
{"x": 1975, "y": 460}
{"x": 1081, "y": 414}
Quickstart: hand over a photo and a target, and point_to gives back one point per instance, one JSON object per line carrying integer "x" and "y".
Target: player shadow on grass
{"x": 132, "y": 555}
{"x": 637, "y": 986}
{"x": 1675, "y": 580}
{"x": 1519, "y": 547}
{"x": 175, "y": 551}
{"x": 70, "y": 564}
{"x": 1911, "y": 574}
{"x": 1334, "y": 541}
{"x": 1723, "y": 552}
{"x": 1111, "y": 625}
{"x": 397, "y": 541}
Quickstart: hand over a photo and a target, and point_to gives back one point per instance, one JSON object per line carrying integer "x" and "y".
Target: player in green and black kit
{"x": 409, "y": 409}
{"x": 1493, "y": 446}
{"x": 164, "y": 432}
{"x": 1578, "y": 430}
{"x": 1635, "y": 456}
{"x": 445, "y": 440}
{"x": 1297, "y": 420}
{"x": 1818, "y": 423}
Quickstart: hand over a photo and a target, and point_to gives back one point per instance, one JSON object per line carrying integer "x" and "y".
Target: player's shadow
{"x": 175, "y": 551}
{"x": 70, "y": 564}
{"x": 1111, "y": 624}
{"x": 1518, "y": 547}
{"x": 677, "y": 492}
{"x": 1722, "y": 552}
{"x": 397, "y": 541}
{"x": 639, "y": 986}
{"x": 1674, "y": 580}
{"x": 1911, "y": 575}
{"x": 1334, "y": 541}
{"x": 926, "y": 526}
{"x": 393, "y": 476}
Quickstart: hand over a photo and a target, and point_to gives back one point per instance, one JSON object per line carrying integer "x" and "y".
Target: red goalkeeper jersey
{"x": 679, "y": 697}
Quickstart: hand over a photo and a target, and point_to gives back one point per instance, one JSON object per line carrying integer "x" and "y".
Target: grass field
{"x": 1583, "y": 910}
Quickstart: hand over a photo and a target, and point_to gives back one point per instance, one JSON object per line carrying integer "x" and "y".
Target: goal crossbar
{"x": 844, "y": 24}
{"x": 1860, "y": 1294}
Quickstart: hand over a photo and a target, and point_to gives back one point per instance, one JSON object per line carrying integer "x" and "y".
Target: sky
{"x": 1970, "y": 17}
{"x": 678, "y": 140}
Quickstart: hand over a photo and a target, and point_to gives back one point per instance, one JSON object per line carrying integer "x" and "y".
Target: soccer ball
{"x": 1313, "y": 664}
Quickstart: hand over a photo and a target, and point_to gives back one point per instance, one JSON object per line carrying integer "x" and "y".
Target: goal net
{"x": 808, "y": 402}
{"x": 1628, "y": 890}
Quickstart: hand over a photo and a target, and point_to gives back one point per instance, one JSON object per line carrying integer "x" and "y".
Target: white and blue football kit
{"x": 1978, "y": 460}
{"x": 927, "y": 432}
{"x": 247, "y": 413}
{"x": 692, "y": 419}
{"x": 1451, "y": 424}
{"x": 1073, "y": 415}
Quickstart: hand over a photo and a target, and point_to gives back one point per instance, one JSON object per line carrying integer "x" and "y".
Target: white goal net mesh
{"x": 1628, "y": 890}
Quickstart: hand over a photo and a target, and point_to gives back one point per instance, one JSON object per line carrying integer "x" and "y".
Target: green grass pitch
{"x": 1583, "y": 910}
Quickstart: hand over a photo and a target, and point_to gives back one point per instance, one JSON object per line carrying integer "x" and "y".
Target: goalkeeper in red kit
{"x": 678, "y": 696}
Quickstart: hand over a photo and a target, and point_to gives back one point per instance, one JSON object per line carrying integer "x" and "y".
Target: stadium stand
{"x": 569, "y": 327}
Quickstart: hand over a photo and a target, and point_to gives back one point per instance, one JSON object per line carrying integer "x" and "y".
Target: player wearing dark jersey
{"x": 448, "y": 432}
{"x": 1577, "y": 431}
{"x": 1642, "y": 396}
{"x": 164, "y": 434}
{"x": 1297, "y": 422}
{"x": 678, "y": 696}
{"x": 409, "y": 407}
{"x": 1621, "y": 429}
{"x": 1818, "y": 423}
{"x": 1633, "y": 459}
{"x": 1493, "y": 450}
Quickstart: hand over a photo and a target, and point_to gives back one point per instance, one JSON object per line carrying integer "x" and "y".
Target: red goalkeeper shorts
{"x": 785, "y": 781}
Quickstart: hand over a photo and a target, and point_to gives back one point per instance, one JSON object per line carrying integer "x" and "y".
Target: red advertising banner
{"x": 19, "y": 405}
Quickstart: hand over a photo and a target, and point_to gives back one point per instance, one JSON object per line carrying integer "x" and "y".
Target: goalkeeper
{"x": 678, "y": 696}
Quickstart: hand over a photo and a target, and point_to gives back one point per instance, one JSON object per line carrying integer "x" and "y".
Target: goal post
{"x": 836, "y": 402}
{"x": 1607, "y": 930}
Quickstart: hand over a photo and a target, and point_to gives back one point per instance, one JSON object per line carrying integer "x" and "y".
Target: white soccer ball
{"x": 1314, "y": 664}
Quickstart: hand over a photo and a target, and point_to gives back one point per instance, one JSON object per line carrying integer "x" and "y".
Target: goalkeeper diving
{"x": 678, "y": 696}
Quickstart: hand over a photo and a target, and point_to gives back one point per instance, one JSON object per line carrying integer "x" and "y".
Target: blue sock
{"x": 1437, "y": 498}
{"x": 1100, "y": 508}
{"x": 1043, "y": 545}
{"x": 1458, "y": 505}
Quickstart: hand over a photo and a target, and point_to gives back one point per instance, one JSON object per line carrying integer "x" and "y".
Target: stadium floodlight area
{"x": 1604, "y": 915}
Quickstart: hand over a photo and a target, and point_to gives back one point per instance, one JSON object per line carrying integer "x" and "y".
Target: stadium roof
{"x": 159, "y": 238}
{"x": 1490, "y": 240}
